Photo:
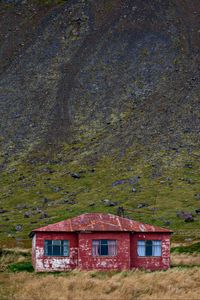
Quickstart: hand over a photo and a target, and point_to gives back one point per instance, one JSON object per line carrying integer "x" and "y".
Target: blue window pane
{"x": 49, "y": 250}
{"x": 141, "y": 248}
{"x": 149, "y": 248}
{"x": 104, "y": 249}
{"x": 65, "y": 248}
{"x": 56, "y": 248}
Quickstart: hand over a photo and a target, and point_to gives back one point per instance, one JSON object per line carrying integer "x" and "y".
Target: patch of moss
{"x": 194, "y": 248}
{"x": 21, "y": 267}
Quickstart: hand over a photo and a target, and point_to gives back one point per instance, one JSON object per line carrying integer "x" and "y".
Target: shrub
{"x": 21, "y": 267}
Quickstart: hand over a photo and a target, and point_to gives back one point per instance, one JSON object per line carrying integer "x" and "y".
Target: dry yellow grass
{"x": 173, "y": 284}
{"x": 185, "y": 259}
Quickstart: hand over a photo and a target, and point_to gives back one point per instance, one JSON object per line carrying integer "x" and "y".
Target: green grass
{"x": 166, "y": 193}
{"x": 21, "y": 267}
{"x": 194, "y": 248}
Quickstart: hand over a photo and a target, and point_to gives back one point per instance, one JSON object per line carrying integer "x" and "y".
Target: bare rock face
{"x": 125, "y": 69}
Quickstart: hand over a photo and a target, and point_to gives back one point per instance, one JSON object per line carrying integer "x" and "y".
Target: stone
{"x": 45, "y": 200}
{"x": 3, "y": 211}
{"x": 11, "y": 171}
{"x": 131, "y": 180}
{"x": 37, "y": 210}
{"x": 197, "y": 211}
{"x": 21, "y": 206}
{"x": 19, "y": 227}
{"x": 134, "y": 179}
{"x": 134, "y": 190}
{"x": 57, "y": 189}
{"x": 43, "y": 215}
{"x": 121, "y": 181}
{"x": 197, "y": 196}
{"x": 141, "y": 205}
{"x": 189, "y": 166}
{"x": 167, "y": 223}
{"x": 72, "y": 202}
{"x": 108, "y": 202}
{"x": 92, "y": 204}
{"x": 186, "y": 216}
{"x": 48, "y": 171}
{"x": 27, "y": 214}
{"x": 190, "y": 181}
{"x": 75, "y": 175}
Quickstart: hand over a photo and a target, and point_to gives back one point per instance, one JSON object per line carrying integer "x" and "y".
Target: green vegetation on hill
{"x": 37, "y": 190}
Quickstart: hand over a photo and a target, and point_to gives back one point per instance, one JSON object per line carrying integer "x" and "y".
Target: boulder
{"x": 75, "y": 175}
{"x": 2, "y": 211}
{"x": 108, "y": 202}
{"x": 45, "y": 200}
{"x": 27, "y": 214}
{"x": 141, "y": 205}
{"x": 43, "y": 215}
{"x": 21, "y": 206}
{"x": 197, "y": 196}
{"x": 186, "y": 216}
{"x": 19, "y": 227}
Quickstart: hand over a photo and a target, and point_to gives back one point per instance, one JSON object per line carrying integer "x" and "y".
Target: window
{"x": 104, "y": 247}
{"x": 149, "y": 248}
{"x": 56, "y": 248}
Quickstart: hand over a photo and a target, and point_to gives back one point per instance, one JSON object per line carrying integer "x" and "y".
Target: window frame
{"x": 146, "y": 246}
{"x": 100, "y": 244}
{"x": 62, "y": 245}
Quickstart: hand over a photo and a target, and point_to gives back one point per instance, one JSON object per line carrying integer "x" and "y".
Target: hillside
{"x": 99, "y": 108}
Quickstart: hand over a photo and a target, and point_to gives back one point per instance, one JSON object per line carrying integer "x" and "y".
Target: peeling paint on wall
{"x": 151, "y": 263}
{"x": 58, "y": 263}
{"x": 80, "y": 248}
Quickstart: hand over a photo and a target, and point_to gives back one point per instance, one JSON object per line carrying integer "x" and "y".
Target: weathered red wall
{"x": 33, "y": 251}
{"x": 81, "y": 252}
{"x": 119, "y": 262}
{"x": 58, "y": 263}
{"x": 151, "y": 263}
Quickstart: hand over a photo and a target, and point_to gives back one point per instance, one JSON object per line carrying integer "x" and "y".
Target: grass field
{"x": 176, "y": 283}
{"x": 19, "y": 282}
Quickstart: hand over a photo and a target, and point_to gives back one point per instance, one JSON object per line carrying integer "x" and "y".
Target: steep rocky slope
{"x": 109, "y": 89}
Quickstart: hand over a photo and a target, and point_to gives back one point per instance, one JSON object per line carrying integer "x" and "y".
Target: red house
{"x": 100, "y": 241}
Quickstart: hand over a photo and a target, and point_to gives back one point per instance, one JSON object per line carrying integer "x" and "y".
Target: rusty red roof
{"x": 100, "y": 222}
